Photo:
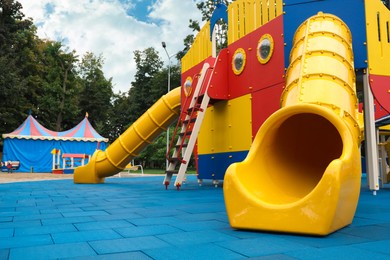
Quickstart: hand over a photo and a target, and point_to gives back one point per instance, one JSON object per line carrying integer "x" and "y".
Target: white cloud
{"x": 103, "y": 27}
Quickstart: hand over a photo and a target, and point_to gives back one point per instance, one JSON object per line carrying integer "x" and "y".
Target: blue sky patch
{"x": 138, "y": 9}
{"x": 49, "y": 9}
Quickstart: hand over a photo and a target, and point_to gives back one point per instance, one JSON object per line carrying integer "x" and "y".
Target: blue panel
{"x": 213, "y": 166}
{"x": 350, "y": 11}
{"x": 220, "y": 12}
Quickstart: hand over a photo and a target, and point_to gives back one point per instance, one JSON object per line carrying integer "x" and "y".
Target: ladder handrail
{"x": 193, "y": 100}
{"x": 191, "y": 124}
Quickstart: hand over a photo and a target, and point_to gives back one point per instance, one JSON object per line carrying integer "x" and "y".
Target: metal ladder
{"x": 189, "y": 130}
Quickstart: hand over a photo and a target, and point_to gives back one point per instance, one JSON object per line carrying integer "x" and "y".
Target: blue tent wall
{"x": 36, "y": 154}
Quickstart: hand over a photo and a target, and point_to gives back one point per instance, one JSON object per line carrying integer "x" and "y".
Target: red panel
{"x": 219, "y": 83}
{"x": 255, "y": 75}
{"x": 380, "y": 87}
{"x": 264, "y": 103}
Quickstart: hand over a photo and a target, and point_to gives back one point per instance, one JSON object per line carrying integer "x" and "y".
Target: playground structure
{"x": 69, "y": 161}
{"x": 296, "y": 169}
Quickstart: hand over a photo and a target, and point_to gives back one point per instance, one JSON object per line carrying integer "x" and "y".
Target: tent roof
{"x": 32, "y": 129}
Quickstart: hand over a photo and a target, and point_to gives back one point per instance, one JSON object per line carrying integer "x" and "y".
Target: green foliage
{"x": 96, "y": 93}
{"x": 58, "y": 87}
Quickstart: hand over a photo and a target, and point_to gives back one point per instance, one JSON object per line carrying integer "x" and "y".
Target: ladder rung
{"x": 175, "y": 159}
{"x": 191, "y": 120}
{"x": 182, "y": 145}
{"x": 186, "y": 133}
{"x": 171, "y": 172}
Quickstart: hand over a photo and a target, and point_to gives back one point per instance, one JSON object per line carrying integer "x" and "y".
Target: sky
{"x": 114, "y": 29}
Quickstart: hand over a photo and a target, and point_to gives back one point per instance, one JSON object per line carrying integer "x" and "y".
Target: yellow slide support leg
{"x": 132, "y": 141}
{"x": 302, "y": 173}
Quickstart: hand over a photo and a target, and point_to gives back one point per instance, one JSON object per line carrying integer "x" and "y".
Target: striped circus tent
{"x": 31, "y": 144}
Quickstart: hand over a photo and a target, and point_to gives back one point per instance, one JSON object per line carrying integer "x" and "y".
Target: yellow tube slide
{"x": 302, "y": 173}
{"x": 141, "y": 133}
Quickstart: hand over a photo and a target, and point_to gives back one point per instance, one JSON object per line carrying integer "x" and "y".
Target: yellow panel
{"x": 378, "y": 42}
{"x": 264, "y": 10}
{"x": 226, "y": 127}
{"x": 250, "y": 25}
{"x": 200, "y": 49}
{"x": 271, "y": 6}
{"x": 279, "y": 7}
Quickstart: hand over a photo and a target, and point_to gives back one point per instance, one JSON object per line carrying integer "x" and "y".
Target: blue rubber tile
{"x": 371, "y": 232}
{"x": 84, "y": 236}
{"x": 127, "y": 244}
{"x": 204, "y": 208}
{"x": 119, "y": 256}
{"x": 266, "y": 245}
{"x": 153, "y": 221}
{"x": 52, "y": 251}
{"x": 48, "y": 229}
{"x": 146, "y": 230}
{"x": 201, "y": 225}
{"x": 335, "y": 253}
{"x": 195, "y": 237}
{"x": 6, "y": 232}
{"x": 37, "y": 217}
{"x": 33, "y": 223}
{"x": 334, "y": 239}
{"x": 123, "y": 210}
{"x": 25, "y": 241}
{"x": 199, "y": 251}
{"x": 122, "y": 215}
{"x": 220, "y": 216}
{"x": 6, "y": 219}
{"x": 4, "y": 253}
{"x": 382, "y": 246}
{"x": 275, "y": 257}
{"x": 159, "y": 212}
{"x": 243, "y": 234}
{"x": 72, "y": 220}
{"x": 54, "y": 210}
{"x": 103, "y": 225}
{"x": 84, "y": 213}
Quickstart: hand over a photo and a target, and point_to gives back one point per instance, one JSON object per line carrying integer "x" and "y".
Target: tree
{"x": 148, "y": 64}
{"x": 96, "y": 92}
{"x": 61, "y": 88}
{"x": 19, "y": 65}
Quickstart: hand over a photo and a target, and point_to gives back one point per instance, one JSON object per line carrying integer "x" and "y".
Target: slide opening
{"x": 295, "y": 155}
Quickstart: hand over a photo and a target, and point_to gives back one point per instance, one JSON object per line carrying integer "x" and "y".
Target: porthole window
{"x": 188, "y": 86}
{"x": 238, "y": 62}
{"x": 265, "y": 48}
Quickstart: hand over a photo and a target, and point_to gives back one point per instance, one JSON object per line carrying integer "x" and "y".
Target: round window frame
{"x": 235, "y": 70}
{"x": 187, "y": 90}
{"x": 268, "y": 58}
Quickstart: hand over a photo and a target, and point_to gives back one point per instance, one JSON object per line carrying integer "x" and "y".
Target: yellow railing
{"x": 245, "y": 16}
{"x": 200, "y": 49}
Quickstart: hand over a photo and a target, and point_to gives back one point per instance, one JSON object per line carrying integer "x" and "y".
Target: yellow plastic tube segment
{"x": 302, "y": 173}
{"x": 141, "y": 133}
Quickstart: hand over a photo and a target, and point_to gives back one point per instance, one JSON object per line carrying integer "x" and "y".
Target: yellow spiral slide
{"x": 141, "y": 133}
{"x": 302, "y": 173}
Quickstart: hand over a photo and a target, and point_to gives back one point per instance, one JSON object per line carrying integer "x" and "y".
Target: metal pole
{"x": 370, "y": 137}
{"x": 169, "y": 89}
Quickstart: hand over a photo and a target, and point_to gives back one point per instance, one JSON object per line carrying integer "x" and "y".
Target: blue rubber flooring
{"x": 136, "y": 218}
